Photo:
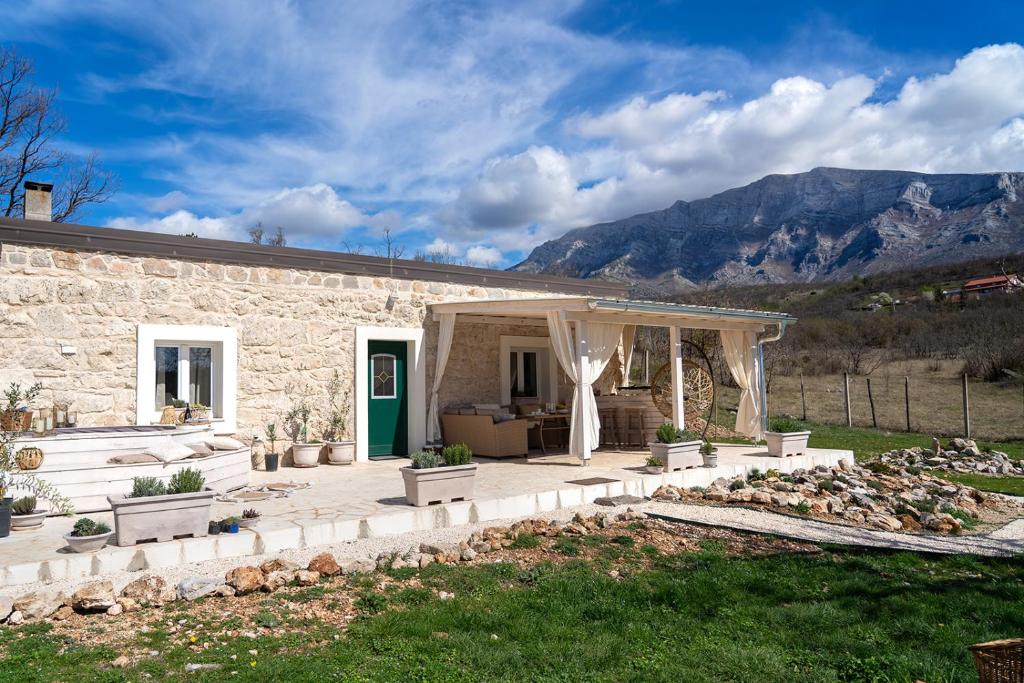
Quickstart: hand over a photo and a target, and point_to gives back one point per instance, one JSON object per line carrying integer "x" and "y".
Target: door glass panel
{"x": 513, "y": 367}
{"x": 529, "y": 374}
{"x": 166, "y": 375}
{"x": 200, "y": 375}
{"x": 383, "y": 376}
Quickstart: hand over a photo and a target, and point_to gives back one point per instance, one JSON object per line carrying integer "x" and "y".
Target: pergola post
{"x": 676, "y": 359}
{"x": 584, "y": 392}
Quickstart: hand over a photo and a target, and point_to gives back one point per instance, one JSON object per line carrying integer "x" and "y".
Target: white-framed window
{"x": 192, "y": 363}
{"x": 186, "y": 372}
{"x": 528, "y": 370}
{"x": 383, "y": 383}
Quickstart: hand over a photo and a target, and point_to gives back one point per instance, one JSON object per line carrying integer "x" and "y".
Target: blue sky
{"x": 482, "y": 129}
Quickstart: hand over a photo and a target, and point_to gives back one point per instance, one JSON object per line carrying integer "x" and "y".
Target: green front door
{"x": 389, "y": 410}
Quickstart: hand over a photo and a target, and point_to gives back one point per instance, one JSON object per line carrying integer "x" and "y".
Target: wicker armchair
{"x": 486, "y": 437}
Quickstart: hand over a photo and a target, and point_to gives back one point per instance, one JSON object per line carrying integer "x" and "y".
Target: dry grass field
{"x": 936, "y": 406}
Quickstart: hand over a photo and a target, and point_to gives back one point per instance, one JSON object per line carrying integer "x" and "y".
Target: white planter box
{"x": 161, "y": 517}
{"x": 341, "y": 452}
{"x": 783, "y": 444}
{"x": 678, "y": 456}
{"x": 439, "y": 484}
{"x": 306, "y": 454}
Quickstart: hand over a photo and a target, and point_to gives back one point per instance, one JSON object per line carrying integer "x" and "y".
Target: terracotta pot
{"x": 306, "y": 454}
{"x": 341, "y": 452}
{"x": 16, "y": 420}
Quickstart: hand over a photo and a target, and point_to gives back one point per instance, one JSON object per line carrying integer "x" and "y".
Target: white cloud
{"x": 484, "y": 257}
{"x": 686, "y": 146}
{"x": 302, "y": 212}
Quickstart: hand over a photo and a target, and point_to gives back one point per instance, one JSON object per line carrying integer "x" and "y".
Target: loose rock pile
{"x": 99, "y": 597}
{"x": 877, "y": 496}
{"x": 962, "y": 455}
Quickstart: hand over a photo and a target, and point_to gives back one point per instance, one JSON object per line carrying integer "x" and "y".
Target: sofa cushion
{"x": 133, "y": 459}
{"x": 224, "y": 443}
{"x": 168, "y": 451}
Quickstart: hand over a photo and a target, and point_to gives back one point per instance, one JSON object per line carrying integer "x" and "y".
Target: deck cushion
{"x": 224, "y": 443}
{"x": 169, "y": 451}
{"x": 132, "y": 459}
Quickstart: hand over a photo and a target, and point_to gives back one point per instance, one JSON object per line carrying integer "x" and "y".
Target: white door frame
{"x": 505, "y": 345}
{"x": 416, "y": 382}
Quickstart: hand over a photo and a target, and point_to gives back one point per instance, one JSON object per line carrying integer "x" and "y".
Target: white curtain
{"x": 444, "y": 347}
{"x": 741, "y": 356}
{"x": 628, "y": 337}
{"x": 602, "y": 341}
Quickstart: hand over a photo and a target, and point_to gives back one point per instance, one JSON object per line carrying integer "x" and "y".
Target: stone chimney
{"x": 38, "y": 201}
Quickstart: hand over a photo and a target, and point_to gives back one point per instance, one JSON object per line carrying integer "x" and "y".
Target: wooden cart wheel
{"x": 698, "y": 391}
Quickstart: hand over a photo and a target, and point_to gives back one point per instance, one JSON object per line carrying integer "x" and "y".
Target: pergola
{"x": 585, "y": 332}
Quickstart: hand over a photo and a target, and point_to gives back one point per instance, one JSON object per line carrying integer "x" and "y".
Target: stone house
{"x": 121, "y": 323}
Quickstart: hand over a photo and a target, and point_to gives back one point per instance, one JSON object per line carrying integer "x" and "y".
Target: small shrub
{"x": 89, "y": 527}
{"x": 624, "y": 541}
{"x": 371, "y": 602}
{"x": 697, "y": 489}
{"x": 772, "y": 473}
{"x": 144, "y": 487}
{"x": 802, "y": 508}
{"x": 188, "y": 480}
{"x": 966, "y": 521}
{"x": 737, "y": 484}
{"x": 667, "y": 433}
{"x": 925, "y": 505}
{"x": 842, "y": 478}
{"x": 425, "y": 460}
{"x": 756, "y": 475}
{"x": 457, "y": 454}
{"x": 24, "y": 506}
{"x": 786, "y": 424}
{"x": 251, "y": 513}
{"x": 787, "y": 478}
{"x": 525, "y": 542}
{"x": 707, "y": 448}
{"x": 879, "y": 467}
{"x": 873, "y": 485}
{"x": 914, "y": 470}
{"x": 566, "y": 546}
{"x": 825, "y": 485}
{"x": 654, "y": 461}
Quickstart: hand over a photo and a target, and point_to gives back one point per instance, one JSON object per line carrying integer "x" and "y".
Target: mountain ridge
{"x": 825, "y": 224}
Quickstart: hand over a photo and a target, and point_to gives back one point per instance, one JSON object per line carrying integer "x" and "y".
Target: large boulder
{"x": 196, "y": 587}
{"x": 362, "y": 565}
{"x": 272, "y": 581}
{"x": 39, "y": 604}
{"x": 149, "y": 590}
{"x": 324, "y": 564}
{"x": 97, "y": 596}
{"x": 6, "y": 607}
{"x": 305, "y": 577}
{"x": 244, "y": 579}
{"x": 278, "y": 565}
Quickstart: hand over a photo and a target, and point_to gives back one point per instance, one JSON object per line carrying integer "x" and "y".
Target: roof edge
{"x": 157, "y": 245}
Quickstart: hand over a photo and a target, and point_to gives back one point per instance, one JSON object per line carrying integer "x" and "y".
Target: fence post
{"x": 967, "y": 410}
{"x": 871, "y": 402}
{"x": 906, "y": 398}
{"x": 846, "y": 398}
{"x": 803, "y": 399}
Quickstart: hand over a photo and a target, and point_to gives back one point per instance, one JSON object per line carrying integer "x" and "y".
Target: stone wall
{"x": 294, "y": 327}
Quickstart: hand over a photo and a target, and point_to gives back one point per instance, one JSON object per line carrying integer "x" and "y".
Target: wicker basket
{"x": 1000, "y": 661}
{"x": 29, "y": 458}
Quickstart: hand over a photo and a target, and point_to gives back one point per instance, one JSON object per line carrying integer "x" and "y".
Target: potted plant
{"x": 249, "y": 519}
{"x": 88, "y": 535}
{"x": 16, "y": 416}
{"x": 305, "y": 452}
{"x": 340, "y": 449}
{"x": 654, "y": 465}
{"x": 200, "y": 412}
{"x": 271, "y": 458}
{"x": 12, "y": 477}
{"x": 213, "y": 528}
{"x": 25, "y": 515}
{"x": 710, "y": 454}
{"x": 154, "y": 510}
{"x": 786, "y": 437}
{"x": 440, "y": 479}
{"x": 229, "y": 525}
{"x": 677, "y": 448}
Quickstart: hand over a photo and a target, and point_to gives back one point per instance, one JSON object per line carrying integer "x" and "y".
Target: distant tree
{"x": 256, "y": 236}
{"x": 278, "y": 240}
{"x": 29, "y": 126}
{"x": 443, "y": 255}
{"x": 191, "y": 234}
{"x": 390, "y": 249}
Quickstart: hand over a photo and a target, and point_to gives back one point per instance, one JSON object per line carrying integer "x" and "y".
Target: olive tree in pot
{"x": 272, "y": 458}
{"x": 340, "y": 449}
{"x": 444, "y": 478}
{"x": 161, "y": 512}
{"x": 305, "y": 451}
{"x": 13, "y": 478}
{"x": 786, "y": 437}
{"x": 677, "y": 448}
{"x": 88, "y": 535}
{"x": 16, "y": 416}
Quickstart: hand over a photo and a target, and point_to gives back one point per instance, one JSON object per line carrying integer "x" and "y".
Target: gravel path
{"x": 366, "y": 547}
{"x": 1008, "y": 540}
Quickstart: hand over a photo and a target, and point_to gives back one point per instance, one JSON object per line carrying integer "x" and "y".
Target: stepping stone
{"x": 612, "y": 501}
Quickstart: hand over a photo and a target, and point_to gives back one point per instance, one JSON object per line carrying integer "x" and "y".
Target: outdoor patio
{"x": 365, "y": 500}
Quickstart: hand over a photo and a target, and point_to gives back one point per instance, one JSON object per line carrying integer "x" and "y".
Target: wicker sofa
{"x": 486, "y": 437}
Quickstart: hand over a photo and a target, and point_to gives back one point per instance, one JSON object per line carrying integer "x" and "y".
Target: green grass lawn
{"x": 1010, "y": 485}
{"x": 866, "y": 443}
{"x": 833, "y": 616}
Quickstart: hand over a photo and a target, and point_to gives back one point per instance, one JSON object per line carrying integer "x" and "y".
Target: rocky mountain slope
{"x": 825, "y": 224}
